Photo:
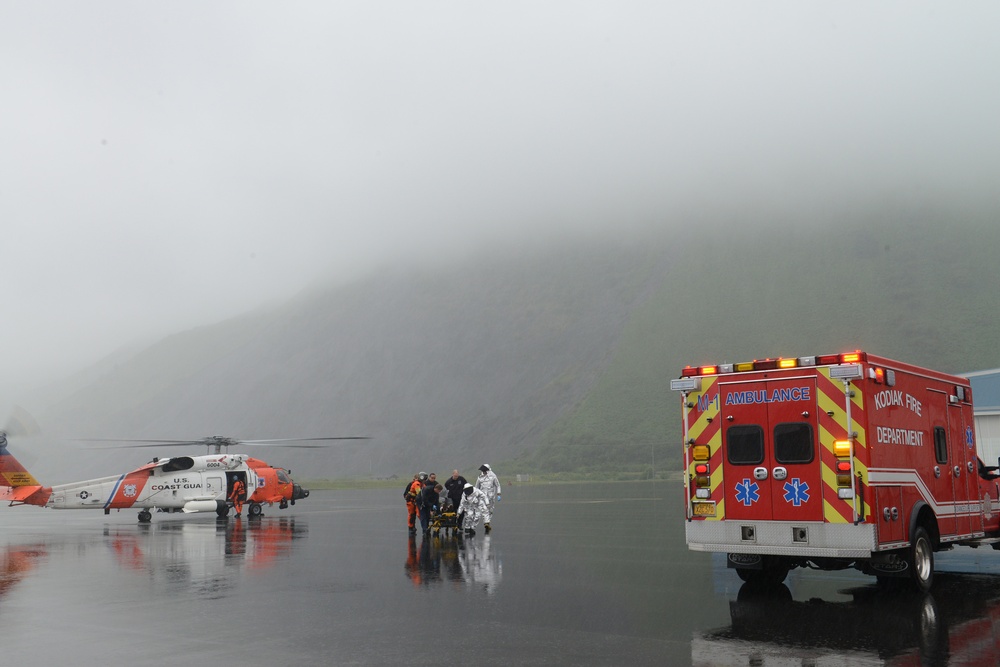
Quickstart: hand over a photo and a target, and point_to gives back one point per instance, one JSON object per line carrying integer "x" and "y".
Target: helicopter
{"x": 186, "y": 484}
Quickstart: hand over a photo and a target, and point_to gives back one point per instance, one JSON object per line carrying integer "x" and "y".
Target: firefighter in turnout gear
{"x": 472, "y": 508}
{"x": 489, "y": 484}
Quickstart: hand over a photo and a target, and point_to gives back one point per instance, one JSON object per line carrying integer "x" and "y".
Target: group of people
{"x": 472, "y": 503}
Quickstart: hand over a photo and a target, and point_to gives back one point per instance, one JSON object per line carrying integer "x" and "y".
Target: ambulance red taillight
{"x": 702, "y": 479}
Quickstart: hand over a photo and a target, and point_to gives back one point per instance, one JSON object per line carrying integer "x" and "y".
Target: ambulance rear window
{"x": 793, "y": 443}
{"x": 745, "y": 445}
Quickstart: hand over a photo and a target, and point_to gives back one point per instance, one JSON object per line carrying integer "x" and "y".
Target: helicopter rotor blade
{"x": 280, "y": 442}
{"x": 130, "y": 441}
{"x": 20, "y": 423}
{"x": 217, "y": 441}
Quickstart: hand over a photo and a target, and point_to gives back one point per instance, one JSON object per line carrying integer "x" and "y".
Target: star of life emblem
{"x": 129, "y": 491}
{"x": 747, "y": 492}
{"x": 796, "y": 492}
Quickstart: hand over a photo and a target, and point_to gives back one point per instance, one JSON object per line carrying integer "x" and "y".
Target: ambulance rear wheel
{"x": 773, "y": 572}
{"x": 921, "y": 559}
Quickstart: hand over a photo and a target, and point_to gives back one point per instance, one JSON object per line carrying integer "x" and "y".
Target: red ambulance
{"x": 831, "y": 462}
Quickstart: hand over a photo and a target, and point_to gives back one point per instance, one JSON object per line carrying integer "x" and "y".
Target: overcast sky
{"x": 169, "y": 164}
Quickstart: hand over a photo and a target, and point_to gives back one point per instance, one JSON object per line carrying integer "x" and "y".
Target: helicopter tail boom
{"x": 17, "y": 485}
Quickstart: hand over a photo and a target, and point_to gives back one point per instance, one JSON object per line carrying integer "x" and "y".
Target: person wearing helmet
{"x": 472, "y": 508}
{"x": 489, "y": 484}
{"x": 410, "y": 494}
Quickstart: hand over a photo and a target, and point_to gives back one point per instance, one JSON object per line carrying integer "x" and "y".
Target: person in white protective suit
{"x": 489, "y": 484}
{"x": 472, "y": 508}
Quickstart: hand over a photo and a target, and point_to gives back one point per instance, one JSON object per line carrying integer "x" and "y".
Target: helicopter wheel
{"x": 223, "y": 511}
{"x": 283, "y": 505}
{"x": 145, "y": 516}
{"x": 255, "y": 509}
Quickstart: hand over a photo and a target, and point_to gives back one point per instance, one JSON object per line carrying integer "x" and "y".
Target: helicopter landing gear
{"x": 223, "y": 511}
{"x": 145, "y": 516}
{"x": 255, "y": 510}
{"x": 283, "y": 504}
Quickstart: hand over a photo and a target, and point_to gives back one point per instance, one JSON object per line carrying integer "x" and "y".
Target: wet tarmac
{"x": 594, "y": 574}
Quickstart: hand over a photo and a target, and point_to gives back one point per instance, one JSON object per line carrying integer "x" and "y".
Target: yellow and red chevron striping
{"x": 832, "y": 420}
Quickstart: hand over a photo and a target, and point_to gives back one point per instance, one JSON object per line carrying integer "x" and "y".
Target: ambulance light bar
{"x": 852, "y": 371}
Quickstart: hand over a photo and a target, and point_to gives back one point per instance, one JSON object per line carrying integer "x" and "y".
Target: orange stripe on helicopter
{"x": 128, "y": 489}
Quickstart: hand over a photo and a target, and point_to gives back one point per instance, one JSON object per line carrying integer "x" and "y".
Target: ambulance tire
{"x": 920, "y": 559}
{"x": 773, "y": 573}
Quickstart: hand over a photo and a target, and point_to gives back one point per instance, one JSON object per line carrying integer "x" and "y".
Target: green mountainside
{"x": 916, "y": 286}
{"x": 558, "y": 358}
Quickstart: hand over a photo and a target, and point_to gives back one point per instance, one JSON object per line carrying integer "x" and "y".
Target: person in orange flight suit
{"x": 237, "y": 495}
{"x": 411, "y": 493}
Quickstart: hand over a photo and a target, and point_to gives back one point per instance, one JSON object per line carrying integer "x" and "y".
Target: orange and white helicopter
{"x": 177, "y": 484}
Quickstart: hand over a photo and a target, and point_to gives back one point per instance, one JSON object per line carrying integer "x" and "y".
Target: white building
{"x": 986, "y": 402}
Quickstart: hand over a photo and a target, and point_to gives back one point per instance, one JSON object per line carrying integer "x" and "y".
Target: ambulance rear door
{"x": 771, "y": 461}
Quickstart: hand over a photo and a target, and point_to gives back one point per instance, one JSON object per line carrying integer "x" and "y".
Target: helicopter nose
{"x": 298, "y": 493}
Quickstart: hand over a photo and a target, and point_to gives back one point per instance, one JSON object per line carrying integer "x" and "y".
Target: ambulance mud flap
{"x": 745, "y": 561}
{"x": 887, "y": 565}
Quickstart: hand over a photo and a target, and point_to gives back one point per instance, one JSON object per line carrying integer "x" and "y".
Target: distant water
{"x": 578, "y": 574}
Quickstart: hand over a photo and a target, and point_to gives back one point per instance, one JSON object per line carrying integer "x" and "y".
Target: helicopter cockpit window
{"x": 282, "y": 477}
{"x": 179, "y": 463}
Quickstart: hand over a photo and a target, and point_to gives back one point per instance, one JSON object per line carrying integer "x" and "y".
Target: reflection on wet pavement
{"x": 437, "y": 559}
{"x": 573, "y": 574}
{"x": 957, "y": 623}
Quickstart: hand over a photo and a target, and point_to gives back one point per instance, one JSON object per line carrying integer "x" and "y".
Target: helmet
{"x": 422, "y": 476}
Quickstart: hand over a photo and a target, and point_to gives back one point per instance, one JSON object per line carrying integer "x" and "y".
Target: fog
{"x": 166, "y": 165}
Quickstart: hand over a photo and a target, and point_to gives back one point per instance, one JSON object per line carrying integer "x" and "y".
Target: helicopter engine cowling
{"x": 203, "y": 506}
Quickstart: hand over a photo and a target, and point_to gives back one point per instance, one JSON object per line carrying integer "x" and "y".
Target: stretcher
{"x": 444, "y": 520}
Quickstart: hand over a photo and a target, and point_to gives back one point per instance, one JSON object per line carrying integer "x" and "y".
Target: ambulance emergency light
{"x": 686, "y": 384}
{"x": 845, "y": 366}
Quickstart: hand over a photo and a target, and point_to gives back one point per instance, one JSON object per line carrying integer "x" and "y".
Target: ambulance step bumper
{"x": 781, "y": 538}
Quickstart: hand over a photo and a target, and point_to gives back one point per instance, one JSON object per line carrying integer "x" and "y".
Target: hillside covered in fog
{"x": 556, "y": 358}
